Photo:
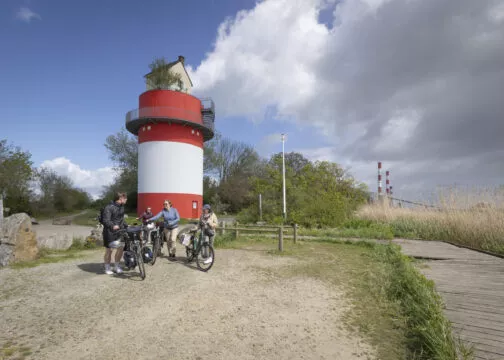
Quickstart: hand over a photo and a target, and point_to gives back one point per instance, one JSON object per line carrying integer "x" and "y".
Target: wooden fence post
{"x": 294, "y": 230}
{"x": 236, "y": 231}
{"x": 280, "y": 238}
{"x": 223, "y": 230}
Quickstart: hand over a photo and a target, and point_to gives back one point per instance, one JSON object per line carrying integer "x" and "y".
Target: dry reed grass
{"x": 473, "y": 218}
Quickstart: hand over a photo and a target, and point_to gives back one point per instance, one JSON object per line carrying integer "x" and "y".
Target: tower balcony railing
{"x": 204, "y": 119}
{"x": 164, "y": 112}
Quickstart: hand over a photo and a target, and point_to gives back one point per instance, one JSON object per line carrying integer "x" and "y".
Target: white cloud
{"x": 90, "y": 180}
{"x": 415, "y": 84}
{"x": 267, "y": 54}
{"x": 27, "y": 15}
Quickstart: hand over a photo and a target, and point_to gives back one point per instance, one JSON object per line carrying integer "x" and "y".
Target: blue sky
{"x": 72, "y": 73}
{"x": 355, "y": 82}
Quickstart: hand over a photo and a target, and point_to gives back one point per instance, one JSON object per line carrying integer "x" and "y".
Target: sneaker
{"x": 118, "y": 269}
{"x": 208, "y": 261}
{"x": 108, "y": 271}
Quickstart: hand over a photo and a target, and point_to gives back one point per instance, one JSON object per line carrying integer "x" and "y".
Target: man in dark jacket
{"x": 113, "y": 220}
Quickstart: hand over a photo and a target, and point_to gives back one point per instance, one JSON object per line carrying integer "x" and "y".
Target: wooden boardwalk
{"x": 472, "y": 286}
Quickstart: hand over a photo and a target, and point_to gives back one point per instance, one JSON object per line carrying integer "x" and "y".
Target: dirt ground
{"x": 238, "y": 310}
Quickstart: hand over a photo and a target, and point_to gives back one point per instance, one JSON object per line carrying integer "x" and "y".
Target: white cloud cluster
{"x": 92, "y": 181}
{"x": 27, "y": 15}
{"x": 416, "y": 84}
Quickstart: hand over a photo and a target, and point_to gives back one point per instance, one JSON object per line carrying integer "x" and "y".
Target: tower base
{"x": 188, "y": 205}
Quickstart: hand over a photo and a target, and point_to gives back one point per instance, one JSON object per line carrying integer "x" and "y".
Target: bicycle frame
{"x": 197, "y": 241}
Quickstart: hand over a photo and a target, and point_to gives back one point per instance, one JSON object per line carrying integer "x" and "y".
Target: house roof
{"x": 173, "y": 63}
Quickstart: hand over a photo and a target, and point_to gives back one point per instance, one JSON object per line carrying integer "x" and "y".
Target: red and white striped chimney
{"x": 379, "y": 179}
{"x": 387, "y": 182}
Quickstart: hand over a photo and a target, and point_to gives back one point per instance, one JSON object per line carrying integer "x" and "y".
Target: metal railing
{"x": 164, "y": 112}
{"x": 205, "y": 118}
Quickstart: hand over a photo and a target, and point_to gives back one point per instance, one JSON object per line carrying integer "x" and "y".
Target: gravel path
{"x": 238, "y": 310}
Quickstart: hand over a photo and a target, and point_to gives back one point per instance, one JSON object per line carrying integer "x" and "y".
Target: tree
{"x": 16, "y": 174}
{"x": 161, "y": 76}
{"x": 59, "y": 194}
{"x": 224, "y": 157}
{"x": 318, "y": 194}
{"x": 123, "y": 151}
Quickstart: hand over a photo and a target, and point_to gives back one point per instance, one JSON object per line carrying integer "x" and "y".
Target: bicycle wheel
{"x": 141, "y": 265}
{"x": 190, "y": 254}
{"x": 155, "y": 248}
{"x": 205, "y": 262}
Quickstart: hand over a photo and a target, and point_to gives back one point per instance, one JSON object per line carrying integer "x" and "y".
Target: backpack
{"x": 100, "y": 215}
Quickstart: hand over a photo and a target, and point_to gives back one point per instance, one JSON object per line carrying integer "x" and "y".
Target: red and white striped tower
{"x": 171, "y": 127}
{"x": 387, "y": 182}
{"x": 379, "y": 179}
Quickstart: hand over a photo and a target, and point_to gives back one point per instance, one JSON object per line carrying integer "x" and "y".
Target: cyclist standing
{"x": 144, "y": 217}
{"x": 171, "y": 219}
{"x": 208, "y": 223}
{"x": 113, "y": 220}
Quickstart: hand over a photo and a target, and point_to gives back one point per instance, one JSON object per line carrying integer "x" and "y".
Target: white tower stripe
{"x": 181, "y": 164}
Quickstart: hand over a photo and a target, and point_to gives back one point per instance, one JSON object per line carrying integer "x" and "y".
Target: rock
{"x": 96, "y": 236}
{"x": 34, "y": 221}
{"x": 62, "y": 221}
{"x": 17, "y": 240}
{"x": 56, "y": 241}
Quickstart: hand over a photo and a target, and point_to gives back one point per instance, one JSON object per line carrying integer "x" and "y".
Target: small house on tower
{"x": 177, "y": 68}
{"x": 171, "y": 126}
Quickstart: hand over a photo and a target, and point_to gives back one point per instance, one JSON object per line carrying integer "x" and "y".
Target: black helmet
{"x": 147, "y": 254}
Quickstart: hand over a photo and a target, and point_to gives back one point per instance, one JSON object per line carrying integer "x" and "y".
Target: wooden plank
{"x": 496, "y": 312}
{"x": 462, "y": 317}
{"x": 495, "y": 336}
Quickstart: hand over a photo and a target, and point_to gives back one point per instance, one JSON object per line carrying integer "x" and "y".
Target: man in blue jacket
{"x": 171, "y": 219}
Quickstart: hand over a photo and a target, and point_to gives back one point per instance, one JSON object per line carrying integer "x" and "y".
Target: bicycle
{"x": 198, "y": 246}
{"x": 153, "y": 232}
{"x": 131, "y": 236}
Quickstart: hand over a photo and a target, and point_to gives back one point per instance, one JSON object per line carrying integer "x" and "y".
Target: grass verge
{"x": 364, "y": 230}
{"x": 48, "y": 256}
{"x": 393, "y": 306}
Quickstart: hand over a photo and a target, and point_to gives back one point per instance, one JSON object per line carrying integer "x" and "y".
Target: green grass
{"x": 48, "y": 256}
{"x": 11, "y": 349}
{"x": 394, "y": 307}
{"x": 374, "y": 231}
{"x": 86, "y": 219}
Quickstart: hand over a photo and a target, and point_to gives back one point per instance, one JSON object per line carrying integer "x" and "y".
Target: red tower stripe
{"x": 171, "y": 105}
{"x": 170, "y": 132}
{"x": 182, "y": 202}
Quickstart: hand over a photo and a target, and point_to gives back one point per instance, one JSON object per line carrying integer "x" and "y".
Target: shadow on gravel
{"x": 97, "y": 268}
{"x": 179, "y": 260}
